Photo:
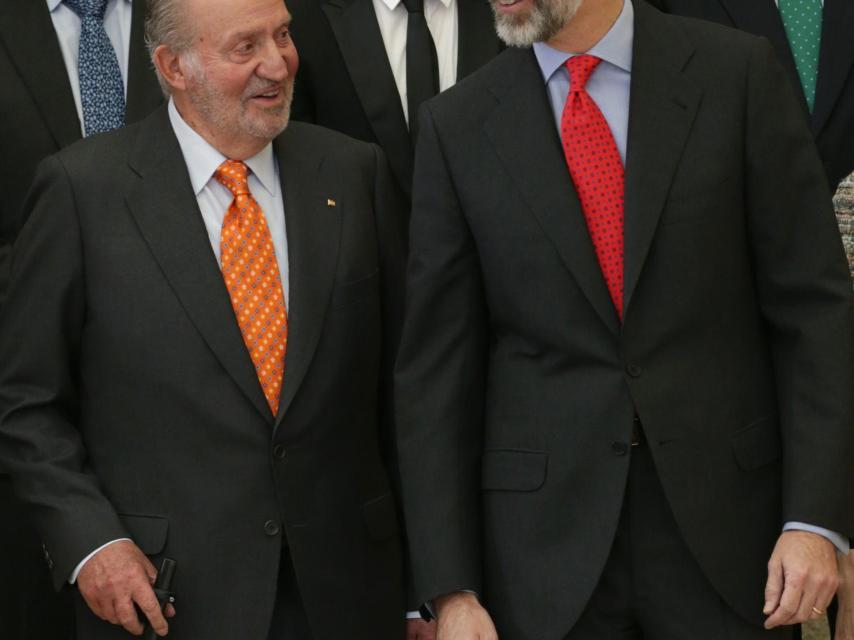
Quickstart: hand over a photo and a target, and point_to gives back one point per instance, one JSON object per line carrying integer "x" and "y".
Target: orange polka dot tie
{"x": 252, "y": 278}
{"x": 597, "y": 173}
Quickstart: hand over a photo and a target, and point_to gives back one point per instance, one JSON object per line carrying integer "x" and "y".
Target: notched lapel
{"x": 539, "y": 171}
{"x": 663, "y": 106}
{"x": 836, "y": 59}
{"x": 358, "y": 35}
{"x": 27, "y": 30}
{"x": 167, "y": 213}
{"x": 314, "y": 235}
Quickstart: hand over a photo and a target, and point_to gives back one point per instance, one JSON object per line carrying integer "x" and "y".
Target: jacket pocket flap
{"x": 347, "y": 292}
{"x": 148, "y": 532}
{"x": 757, "y": 444}
{"x": 510, "y": 470}
{"x": 380, "y": 516}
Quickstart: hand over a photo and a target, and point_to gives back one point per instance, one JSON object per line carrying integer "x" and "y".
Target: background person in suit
{"x": 143, "y": 409}
{"x": 819, "y": 61}
{"x": 41, "y": 111}
{"x": 627, "y": 339}
{"x": 366, "y": 65}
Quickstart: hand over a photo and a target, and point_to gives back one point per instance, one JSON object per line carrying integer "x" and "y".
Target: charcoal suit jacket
{"x": 129, "y": 405}
{"x": 517, "y": 384}
{"x": 832, "y": 119}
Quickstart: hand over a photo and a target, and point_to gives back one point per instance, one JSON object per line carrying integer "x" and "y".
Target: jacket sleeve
{"x": 439, "y": 382}
{"x": 40, "y": 339}
{"x": 805, "y": 294}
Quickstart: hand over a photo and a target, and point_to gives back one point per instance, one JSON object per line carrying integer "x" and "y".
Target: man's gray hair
{"x": 165, "y": 24}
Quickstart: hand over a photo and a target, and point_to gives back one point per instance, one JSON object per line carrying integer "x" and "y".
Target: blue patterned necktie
{"x": 102, "y": 91}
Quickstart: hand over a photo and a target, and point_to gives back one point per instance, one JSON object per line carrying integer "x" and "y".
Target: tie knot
{"x": 414, "y": 6}
{"x": 580, "y": 68}
{"x": 234, "y": 175}
{"x": 88, "y": 8}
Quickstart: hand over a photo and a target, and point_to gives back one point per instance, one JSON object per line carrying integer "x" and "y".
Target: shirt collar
{"x": 53, "y": 4}
{"x": 615, "y": 47}
{"x": 203, "y": 160}
{"x": 393, "y": 4}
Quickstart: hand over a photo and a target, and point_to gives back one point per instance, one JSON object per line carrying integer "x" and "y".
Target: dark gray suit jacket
{"x": 517, "y": 384}
{"x": 129, "y": 405}
{"x": 345, "y": 81}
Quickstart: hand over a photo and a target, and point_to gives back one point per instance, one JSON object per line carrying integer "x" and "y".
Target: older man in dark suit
{"x": 196, "y": 349}
{"x": 42, "y": 108}
{"x": 627, "y": 339}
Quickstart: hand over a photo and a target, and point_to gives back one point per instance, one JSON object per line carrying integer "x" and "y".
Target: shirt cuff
{"x": 839, "y": 541}
{"x": 413, "y": 615}
{"x": 77, "y": 569}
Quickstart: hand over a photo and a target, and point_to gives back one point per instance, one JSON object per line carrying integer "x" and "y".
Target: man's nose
{"x": 273, "y": 65}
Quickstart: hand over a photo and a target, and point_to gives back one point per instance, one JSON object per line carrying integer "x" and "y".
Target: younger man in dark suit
{"x": 627, "y": 339}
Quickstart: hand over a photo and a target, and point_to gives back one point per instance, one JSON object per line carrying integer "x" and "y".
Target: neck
{"x": 589, "y": 25}
{"x": 233, "y": 147}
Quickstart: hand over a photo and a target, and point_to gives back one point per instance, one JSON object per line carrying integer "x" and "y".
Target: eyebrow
{"x": 243, "y": 35}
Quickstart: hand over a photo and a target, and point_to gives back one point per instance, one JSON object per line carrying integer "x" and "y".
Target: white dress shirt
{"x": 214, "y": 199}
{"x": 66, "y": 23}
{"x": 441, "y": 16}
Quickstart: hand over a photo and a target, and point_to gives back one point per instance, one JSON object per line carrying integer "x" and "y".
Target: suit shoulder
{"x": 104, "y": 149}
{"x": 324, "y": 139}
{"x": 711, "y": 37}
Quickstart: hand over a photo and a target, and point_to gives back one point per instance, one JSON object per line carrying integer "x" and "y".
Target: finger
{"x": 170, "y": 611}
{"x": 150, "y": 607}
{"x": 108, "y": 610}
{"x": 127, "y": 616}
{"x": 774, "y": 586}
{"x": 790, "y": 602}
{"x": 809, "y": 599}
{"x": 150, "y": 569}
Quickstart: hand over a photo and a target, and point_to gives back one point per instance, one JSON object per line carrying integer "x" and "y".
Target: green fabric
{"x": 802, "y": 21}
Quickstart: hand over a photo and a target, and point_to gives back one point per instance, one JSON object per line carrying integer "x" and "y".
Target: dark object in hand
{"x": 163, "y": 591}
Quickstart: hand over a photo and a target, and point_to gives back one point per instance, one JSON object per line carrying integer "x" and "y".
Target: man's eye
{"x": 246, "y": 47}
{"x": 284, "y": 36}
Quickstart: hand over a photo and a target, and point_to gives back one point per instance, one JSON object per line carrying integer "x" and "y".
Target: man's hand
{"x": 115, "y": 578}
{"x": 801, "y": 576}
{"x": 845, "y": 617}
{"x": 420, "y": 630}
{"x": 461, "y": 617}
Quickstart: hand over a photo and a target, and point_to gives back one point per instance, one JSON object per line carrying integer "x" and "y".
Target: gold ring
{"x": 817, "y": 611}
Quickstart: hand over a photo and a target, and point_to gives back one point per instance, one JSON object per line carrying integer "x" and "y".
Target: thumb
{"x": 774, "y": 586}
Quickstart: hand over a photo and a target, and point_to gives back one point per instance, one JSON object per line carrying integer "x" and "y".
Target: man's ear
{"x": 169, "y": 67}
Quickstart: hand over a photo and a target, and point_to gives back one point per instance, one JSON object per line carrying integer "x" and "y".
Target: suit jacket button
{"x": 634, "y": 370}
{"x": 271, "y": 528}
{"x": 279, "y": 452}
{"x": 619, "y": 448}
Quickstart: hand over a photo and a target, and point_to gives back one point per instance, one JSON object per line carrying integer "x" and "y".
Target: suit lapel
{"x": 761, "y": 17}
{"x": 836, "y": 58}
{"x": 358, "y": 34}
{"x": 477, "y": 41}
{"x": 143, "y": 94}
{"x": 27, "y": 31}
{"x": 167, "y": 213}
{"x": 314, "y": 233}
{"x": 539, "y": 171}
{"x": 663, "y": 105}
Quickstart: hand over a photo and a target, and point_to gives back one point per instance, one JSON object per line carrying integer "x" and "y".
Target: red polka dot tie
{"x": 252, "y": 278}
{"x": 597, "y": 173}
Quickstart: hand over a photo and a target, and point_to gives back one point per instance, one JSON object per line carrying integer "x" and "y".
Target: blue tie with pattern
{"x": 102, "y": 91}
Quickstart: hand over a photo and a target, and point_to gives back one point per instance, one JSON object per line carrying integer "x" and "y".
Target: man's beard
{"x": 209, "y": 102}
{"x": 545, "y": 19}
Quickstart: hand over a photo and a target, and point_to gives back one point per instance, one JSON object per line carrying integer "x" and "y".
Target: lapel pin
{"x": 330, "y": 202}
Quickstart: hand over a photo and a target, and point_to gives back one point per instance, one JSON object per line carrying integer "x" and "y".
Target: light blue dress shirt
{"x": 610, "y": 87}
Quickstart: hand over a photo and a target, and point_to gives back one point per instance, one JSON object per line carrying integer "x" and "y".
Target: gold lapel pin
{"x": 330, "y": 202}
